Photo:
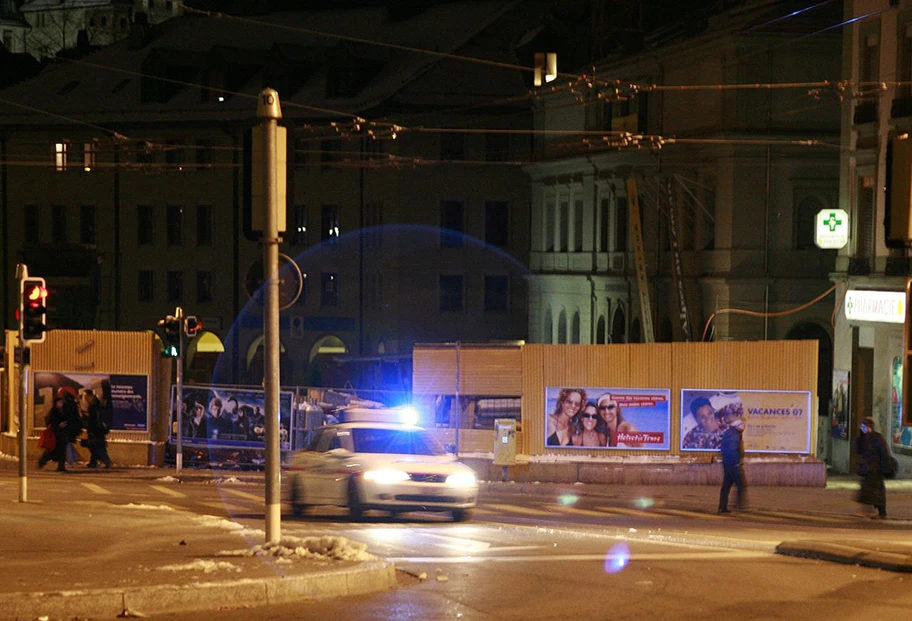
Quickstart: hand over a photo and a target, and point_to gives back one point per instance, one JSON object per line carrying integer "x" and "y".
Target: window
{"x": 58, "y": 224}
{"x": 203, "y": 286}
{"x": 89, "y": 155}
{"x": 204, "y": 225}
{"x": 60, "y": 155}
{"x": 604, "y": 224}
{"x": 330, "y": 153}
{"x": 806, "y": 221}
{"x": 300, "y": 152}
{"x": 577, "y": 226}
{"x": 329, "y": 223}
{"x": 550, "y": 224}
{"x": 329, "y": 288}
{"x": 205, "y": 153}
{"x": 452, "y": 224}
{"x": 496, "y": 223}
{"x": 145, "y": 225}
{"x": 496, "y": 294}
{"x": 864, "y": 225}
{"x": 175, "y": 286}
{"x": 144, "y": 153}
{"x": 174, "y": 155}
{"x": 299, "y": 226}
{"x": 451, "y": 293}
{"x": 87, "y": 225}
{"x": 31, "y": 224}
{"x": 620, "y": 226}
{"x": 175, "y": 225}
{"x": 146, "y": 286}
{"x": 373, "y": 221}
{"x": 497, "y": 147}
{"x": 904, "y": 76}
{"x": 563, "y": 239}
{"x": 452, "y": 146}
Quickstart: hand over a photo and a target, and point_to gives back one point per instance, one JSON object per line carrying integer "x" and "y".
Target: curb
{"x": 848, "y": 555}
{"x": 369, "y": 577}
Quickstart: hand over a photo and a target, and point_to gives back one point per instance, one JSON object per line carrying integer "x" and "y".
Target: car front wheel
{"x": 355, "y": 506}
{"x": 298, "y": 506}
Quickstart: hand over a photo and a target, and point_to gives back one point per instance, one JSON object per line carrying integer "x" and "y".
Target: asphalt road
{"x": 556, "y": 555}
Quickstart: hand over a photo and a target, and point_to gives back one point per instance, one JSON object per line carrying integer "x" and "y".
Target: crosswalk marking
{"x": 800, "y": 516}
{"x": 168, "y": 491}
{"x": 577, "y": 511}
{"x": 629, "y": 512}
{"x": 98, "y": 489}
{"x": 697, "y": 514}
{"x": 227, "y": 507}
{"x": 521, "y": 510}
{"x": 240, "y": 494}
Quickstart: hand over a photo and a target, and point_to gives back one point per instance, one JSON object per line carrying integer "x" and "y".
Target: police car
{"x": 369, "y": 462}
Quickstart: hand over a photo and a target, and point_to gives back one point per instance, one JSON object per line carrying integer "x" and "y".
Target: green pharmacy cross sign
{"x": 832, "y": 231}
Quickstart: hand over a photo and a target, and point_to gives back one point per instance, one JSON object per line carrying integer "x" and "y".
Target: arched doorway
{"x": 811, "y": 331}
{"x": 320, "y": 361}
{"x": 202, "y": 355}
{"x": 619, "y": 327}
{"x": 255, "y": 361}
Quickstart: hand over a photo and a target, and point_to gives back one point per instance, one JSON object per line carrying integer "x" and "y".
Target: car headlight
{"x": 461, "y": 479}
{"x": 386, "y": 476}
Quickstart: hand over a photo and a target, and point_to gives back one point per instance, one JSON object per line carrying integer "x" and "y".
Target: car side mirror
{"x": 450, "y": 448}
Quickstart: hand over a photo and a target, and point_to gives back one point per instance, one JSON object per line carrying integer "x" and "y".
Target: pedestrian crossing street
{"x": 250, "y": 499}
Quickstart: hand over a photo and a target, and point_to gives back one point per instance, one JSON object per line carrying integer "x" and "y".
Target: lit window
{"x": 89, "y": 155}
{"x": 60, "y": 155}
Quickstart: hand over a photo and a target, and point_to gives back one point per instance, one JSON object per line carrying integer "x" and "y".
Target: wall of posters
{"x": 607, "y": 418}
{"x": 229, "y": 416}
{"x": 776, "y": 421}
{"x": 123, "y": 399}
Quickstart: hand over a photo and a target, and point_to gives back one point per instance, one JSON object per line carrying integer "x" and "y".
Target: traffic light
{"x": 171, "y": 327}
{"x": 192, "y": 325}
{"x": 33, "y": 309}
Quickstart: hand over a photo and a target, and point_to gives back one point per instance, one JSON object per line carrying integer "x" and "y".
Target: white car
{"x": 377, "y": 465}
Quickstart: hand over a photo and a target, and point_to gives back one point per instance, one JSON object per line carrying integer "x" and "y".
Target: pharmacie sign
{"x": 832, "y": 231}
{"x": 882, "y": 306}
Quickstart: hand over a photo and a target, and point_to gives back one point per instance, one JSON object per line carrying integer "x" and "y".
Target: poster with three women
{"x": 607, "y": 418}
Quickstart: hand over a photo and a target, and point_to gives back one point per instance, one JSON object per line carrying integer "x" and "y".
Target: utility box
{"x": 504, "y": 442}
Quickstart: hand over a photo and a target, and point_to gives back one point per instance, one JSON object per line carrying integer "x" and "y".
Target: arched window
{"x": 548, "y": 332}
{"x": 600, "y": 331}
{"x": 562, "y": 328}
{"x": 619, "y": 327}
{"x": 575, "y": 328}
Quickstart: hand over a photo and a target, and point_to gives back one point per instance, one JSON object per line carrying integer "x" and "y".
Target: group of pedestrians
{"x": 67, "y": 424}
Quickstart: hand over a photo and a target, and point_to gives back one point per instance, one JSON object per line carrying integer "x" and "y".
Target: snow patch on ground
{"x": 5, "y": 457}
{"x": 168, "y": 479}
{"x": 212, "y": 521}
{"x": 204, "y": 566}
{"x": 227, "y": 481}
{"x": 147, "y": 507}
{"x": 289, "y": 548}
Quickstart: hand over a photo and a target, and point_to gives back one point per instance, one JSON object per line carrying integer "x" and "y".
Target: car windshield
{"x": 400, "y": 441}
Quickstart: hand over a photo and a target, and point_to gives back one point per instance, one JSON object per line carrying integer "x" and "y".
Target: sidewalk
{"x": 94, "y": 559}
{"x": 883, "y": 544}
{"x": 66, "y": 559}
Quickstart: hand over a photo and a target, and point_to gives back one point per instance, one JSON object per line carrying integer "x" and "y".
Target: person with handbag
{"x": 873, "y": 464}
{"x": 56, "y": 420}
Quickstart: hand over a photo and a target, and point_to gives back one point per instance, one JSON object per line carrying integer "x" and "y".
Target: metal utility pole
{"x": 268, "y": 150}
{"x": 179, "y": 458}
{"x": 22, "y": 274}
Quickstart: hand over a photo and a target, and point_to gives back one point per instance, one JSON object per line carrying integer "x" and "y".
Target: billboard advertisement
{"x": 229, "y": 417}
{"x": 123, "y": 399}
{"x": 776, "y": 421}
{"x": 607, "y": 418}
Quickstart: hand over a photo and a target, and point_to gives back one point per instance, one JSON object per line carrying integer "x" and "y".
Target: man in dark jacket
{"x": 872, "y": 463}
{"x": 57, "y": 421}
{"x": 732, "y": 448}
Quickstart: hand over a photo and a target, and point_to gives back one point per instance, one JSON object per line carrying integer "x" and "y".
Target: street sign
{"x": 832, "y": 230}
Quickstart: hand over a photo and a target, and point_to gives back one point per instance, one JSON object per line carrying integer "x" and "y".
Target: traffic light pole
{"x": 22, "y": 274}
{"x": 269, "y": 111}
{"x": 178, "y": 406}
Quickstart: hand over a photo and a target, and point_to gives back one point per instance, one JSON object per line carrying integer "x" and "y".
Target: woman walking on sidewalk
{"x": 872, "y": 463}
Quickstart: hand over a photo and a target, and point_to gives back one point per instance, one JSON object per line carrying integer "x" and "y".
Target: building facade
{"x": 406, "y": 218}
{"x": 868, "y": 355}
{"x": 728, "y": 182}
